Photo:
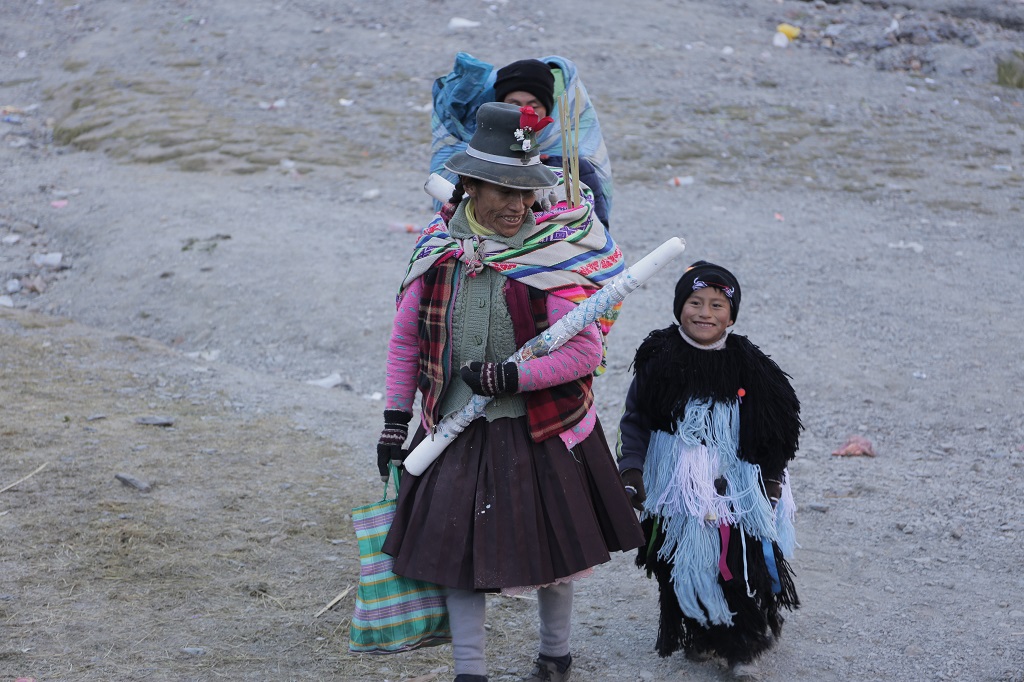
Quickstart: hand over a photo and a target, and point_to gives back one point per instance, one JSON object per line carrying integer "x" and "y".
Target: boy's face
{"x": 706, "y": 315}
{"x": 521, "y": 98}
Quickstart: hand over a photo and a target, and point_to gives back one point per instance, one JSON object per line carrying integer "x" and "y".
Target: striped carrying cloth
{"x": 567, "y": 253}
{"x": 392, "y": 613}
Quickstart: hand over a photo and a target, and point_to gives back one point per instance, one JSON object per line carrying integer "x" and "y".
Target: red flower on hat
{"x": 529, "y": 125}
{"x": 528, "y": 118}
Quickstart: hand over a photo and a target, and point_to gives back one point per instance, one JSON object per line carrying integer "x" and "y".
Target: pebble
{"x": 194, "y": 651}
{"x": 47, "y": 260}
{"x": 155, "y": 421}
{"x": 133, "y": 482}
{"x": 329, "y": 381}
{"x": 456, "y": 23}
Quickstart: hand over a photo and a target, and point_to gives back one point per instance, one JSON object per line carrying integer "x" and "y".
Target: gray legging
{"x": 467, "y": 609}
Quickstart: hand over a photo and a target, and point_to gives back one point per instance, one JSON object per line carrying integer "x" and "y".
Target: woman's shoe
{"x": 547, "y": 671}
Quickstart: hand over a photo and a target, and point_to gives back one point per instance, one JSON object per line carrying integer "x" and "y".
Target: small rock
{"x": 822, "y": 508}
{"x": 47, "y": 260}
{"x": 6, "y": 302}
{"x": 133, "y": 482}
{"x": 193, "y": 651}
{"x": 155, "y": 421}
{"x": 329, "y": 381}
{"x": 13, "y": 286}
{"x": 456, "y": 23}
{"x": 34, "y": 284}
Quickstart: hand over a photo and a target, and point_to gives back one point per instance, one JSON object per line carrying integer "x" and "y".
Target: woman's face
{"x": 500, "y": 209}
{"x": 706, "y": 315}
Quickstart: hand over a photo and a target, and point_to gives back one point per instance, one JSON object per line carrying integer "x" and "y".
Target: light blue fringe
{"x": 695, "y": 580}
{"x": 693, "y": 545}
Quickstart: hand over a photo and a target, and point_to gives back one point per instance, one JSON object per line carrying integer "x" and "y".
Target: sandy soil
{"x": 200, "y": 212}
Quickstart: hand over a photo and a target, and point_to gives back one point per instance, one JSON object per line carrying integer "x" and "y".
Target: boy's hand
{"x": 633, "y": 479}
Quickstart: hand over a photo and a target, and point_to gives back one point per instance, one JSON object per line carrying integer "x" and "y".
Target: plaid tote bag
{"x": 392, "y": 613}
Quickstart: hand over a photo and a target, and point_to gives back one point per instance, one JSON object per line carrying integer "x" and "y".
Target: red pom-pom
{"x": 741, "y": 392}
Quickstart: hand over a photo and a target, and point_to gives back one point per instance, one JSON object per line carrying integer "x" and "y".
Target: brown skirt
{"x": 499, "y": 510}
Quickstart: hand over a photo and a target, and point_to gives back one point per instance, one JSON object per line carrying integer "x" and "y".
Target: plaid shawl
{"x": 549, "y": 411}
{"x": 552, "y": 410}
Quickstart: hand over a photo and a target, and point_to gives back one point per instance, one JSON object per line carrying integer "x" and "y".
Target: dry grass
{"x": 224, "y": 570}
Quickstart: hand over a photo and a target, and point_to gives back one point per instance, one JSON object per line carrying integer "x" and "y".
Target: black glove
{"x": 633, "y": 479}
{"x": 773, "y": 489}
{"x": 389, "y": 447}
{"x": 491, "y": 378}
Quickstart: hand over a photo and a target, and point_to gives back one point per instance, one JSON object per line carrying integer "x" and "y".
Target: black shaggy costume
{"x": 670, "y": 372}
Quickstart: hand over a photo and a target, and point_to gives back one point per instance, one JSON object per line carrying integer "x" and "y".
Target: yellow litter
{"x": 788, "y": 30}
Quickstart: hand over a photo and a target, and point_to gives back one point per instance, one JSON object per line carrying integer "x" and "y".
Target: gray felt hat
{"x": 495, "y": 155}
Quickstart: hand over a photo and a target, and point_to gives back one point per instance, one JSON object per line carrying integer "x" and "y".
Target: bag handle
{"x": 394, "y": 475}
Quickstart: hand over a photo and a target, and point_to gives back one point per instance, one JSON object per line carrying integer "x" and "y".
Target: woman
{"x": 528, "y": 495}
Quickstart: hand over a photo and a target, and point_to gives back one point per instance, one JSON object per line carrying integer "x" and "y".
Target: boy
{"x": 709, "y": 425}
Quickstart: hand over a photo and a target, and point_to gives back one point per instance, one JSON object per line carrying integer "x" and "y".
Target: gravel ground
{"x": 200, "y": 212}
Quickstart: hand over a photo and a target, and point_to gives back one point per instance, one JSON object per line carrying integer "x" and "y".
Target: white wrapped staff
{"x": 575, "y": 321}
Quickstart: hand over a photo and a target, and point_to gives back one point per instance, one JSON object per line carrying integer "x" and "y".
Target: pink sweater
{"x": 579, "y": 356}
